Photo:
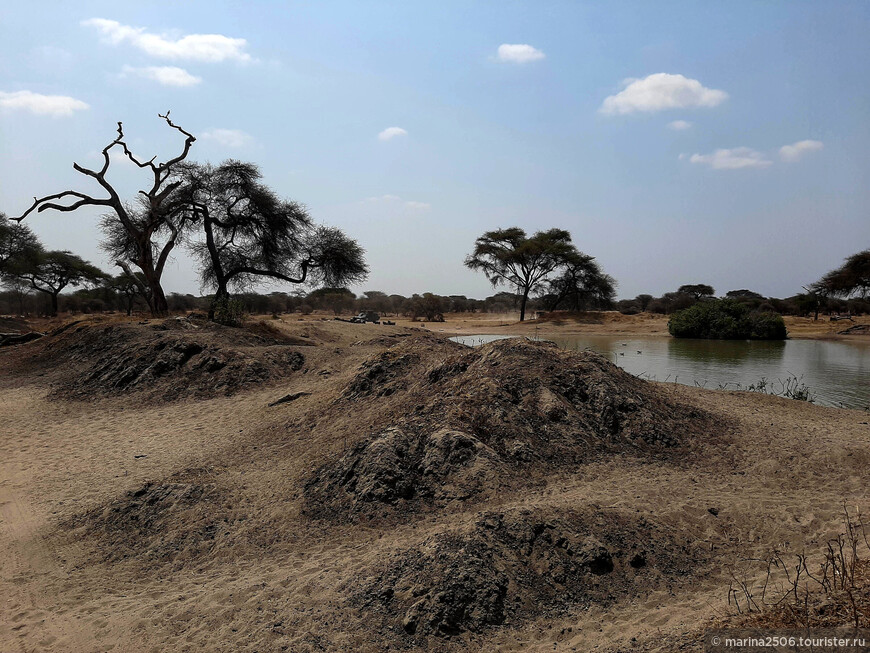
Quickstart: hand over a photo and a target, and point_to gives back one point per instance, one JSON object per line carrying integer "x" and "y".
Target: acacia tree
{"x": 508, "y": 256}
{"x": 131, "y": 287}
{"x": 249, "y": 235}
{"x": 143, "y": 235}
{"x": 851, "y": 278}
{"x": 16, "y": 241}
{"x": 51, "y": 272}
{"x": 581, "y": 286}
{"x": 697, "y": 290}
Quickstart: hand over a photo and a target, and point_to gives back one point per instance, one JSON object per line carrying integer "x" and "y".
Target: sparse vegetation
{"x": 800, "y": 590}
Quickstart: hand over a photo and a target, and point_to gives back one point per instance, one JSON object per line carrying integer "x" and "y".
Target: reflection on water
{"x": 837, "y": 373}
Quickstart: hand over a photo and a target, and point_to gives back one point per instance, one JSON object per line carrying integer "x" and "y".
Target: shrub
{"x": 229, "y": 312}
{"x": 767, "y": 326}
{"x": 725, "y": 319}
{"x": 628, "y": 307}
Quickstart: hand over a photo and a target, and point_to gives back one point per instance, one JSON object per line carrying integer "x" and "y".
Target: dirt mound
{"x": 172, "y": 521}
{"x": 396, "y": 465}
{"x": 512, "y": 566}
{"x": 168, "y": 360}
{"x": 14, "y": 325}
{"x": 455, "y": 419}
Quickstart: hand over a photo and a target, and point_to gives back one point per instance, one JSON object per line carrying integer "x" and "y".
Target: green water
{"x": 836, "y": 373}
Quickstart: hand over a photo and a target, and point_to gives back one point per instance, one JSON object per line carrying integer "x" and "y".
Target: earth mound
{"x": 14, "y": 325}
{"x": 164, "y": 361}
{"x": 455, "y": 420}
{"x": 170, "y": 521}
{"x": 508, "y": 567}
{"x": 397, "y": 465}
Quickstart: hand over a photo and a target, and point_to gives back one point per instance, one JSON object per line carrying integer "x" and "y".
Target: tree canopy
{"x": 851, "y": 278}
{"x": 509, "y": 256}
{"x": 581, "y": 286}
{"x": 17, "y": 241}
{"x": 697, "y": 290}
{"x": 50, "y": 272}
{"x": 248, "y": 235}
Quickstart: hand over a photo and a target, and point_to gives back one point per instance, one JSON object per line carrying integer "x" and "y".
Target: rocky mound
{"x": 512, "y": 566}
{"x": 455, "y": 419}
{"x": 172, "y": 521}
{"x": 168, "y": 360}
{"x": 396, "y": 465}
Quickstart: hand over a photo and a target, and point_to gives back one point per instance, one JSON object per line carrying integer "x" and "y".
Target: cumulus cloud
{"x": 211, "y": 48}
{"x": 518, "y": 53}
{"x": 733, "y": 159}
{"x": 41, "y": 105}
{"x": 391, "y": 132}
{"x": 227, "y": 137}
{"x": 661, "y": 91}
{"x": 395, "y": 200}
{"x": 796, "y": 151}
{"x": 679, "y": 125}
{"x": 166, "y": 75}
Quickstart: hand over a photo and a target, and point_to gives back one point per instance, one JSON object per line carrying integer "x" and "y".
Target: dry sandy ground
{"x": 273, "y": 580}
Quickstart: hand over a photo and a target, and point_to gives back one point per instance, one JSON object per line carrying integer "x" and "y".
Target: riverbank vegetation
{"x": 726, "y": 319}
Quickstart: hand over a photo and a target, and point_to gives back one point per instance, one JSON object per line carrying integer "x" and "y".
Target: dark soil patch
{"x": 172, "y": 522}
{"x": 398, "y": 466}
{"x": 165, "y": 361}
{"x": 14, "y": 325}
{"x": 510, "y": 567}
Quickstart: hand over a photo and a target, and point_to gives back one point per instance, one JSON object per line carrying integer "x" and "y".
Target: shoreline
{"x": 613, "y": 323}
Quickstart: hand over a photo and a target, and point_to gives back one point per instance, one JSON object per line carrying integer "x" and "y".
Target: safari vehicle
{"x": 366, "y": 316}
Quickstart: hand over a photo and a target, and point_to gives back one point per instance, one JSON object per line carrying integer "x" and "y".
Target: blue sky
{"x": 653, "y": 132}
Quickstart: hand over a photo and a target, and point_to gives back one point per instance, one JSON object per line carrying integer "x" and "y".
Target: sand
{"x": 225, "y": 559}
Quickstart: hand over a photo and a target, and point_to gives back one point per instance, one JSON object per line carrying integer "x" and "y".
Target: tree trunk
{"x": 54, "y": 304}
{"x": 159, "y": 305}
{"x": 220, "y": 294}
{"x": 523, "y": 305}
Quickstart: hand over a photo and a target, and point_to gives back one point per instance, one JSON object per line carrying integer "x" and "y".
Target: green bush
{"x": 767, "y": 326}
{"x": 725, "y": 319}
{"x": 229, "y": 312}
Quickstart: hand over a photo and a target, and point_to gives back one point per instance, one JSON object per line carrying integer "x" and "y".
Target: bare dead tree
{"x": 139, "y": 231}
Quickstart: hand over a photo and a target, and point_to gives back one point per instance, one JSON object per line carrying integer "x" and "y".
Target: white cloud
{"x": 227, "y": 137}
{"x": 518, "y": 53}
{"x": 733, "y": 159}
{"x": 166, "y": 75}
{"x": 679, "y": 125}
{"x": 395, "y": 200}
{"x": 391, "y": 132}
{"x": 661, "y": 91}
{"x": 796, "y": 151}
{"x": 42, "y": 105}
{"x": 196, "y": 47}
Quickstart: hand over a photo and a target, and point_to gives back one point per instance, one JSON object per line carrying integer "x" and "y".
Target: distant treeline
{"x": 425, "y": 306}
{"x": 803, "y": 304}
{"x": 336, "y": 301}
